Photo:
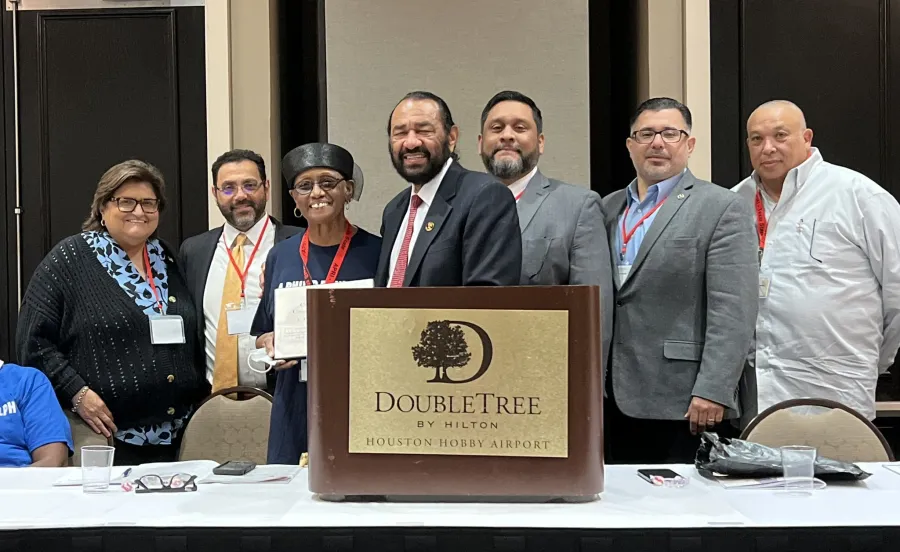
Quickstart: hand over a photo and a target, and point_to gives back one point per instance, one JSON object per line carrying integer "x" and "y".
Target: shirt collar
{"x": 428, "y": 190}
{"x": 519, "y": 185}
{"x": 799, "y": 174}
{"x": 253, "y": 235}
{"x": 657, "y": 192}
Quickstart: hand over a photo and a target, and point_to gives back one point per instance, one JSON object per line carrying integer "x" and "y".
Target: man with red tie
{"x": 452, "y": 226}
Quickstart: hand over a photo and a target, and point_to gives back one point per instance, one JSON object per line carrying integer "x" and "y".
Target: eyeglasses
{"x": 249, "y": 187}
{"x": 129, "y": 204}
{"x": 669, "y": 135}
{"x": 305, "y": 187}
{"x": 180, "y": 482}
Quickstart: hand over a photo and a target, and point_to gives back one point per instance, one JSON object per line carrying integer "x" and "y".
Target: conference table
{"x": 631, "y": 515}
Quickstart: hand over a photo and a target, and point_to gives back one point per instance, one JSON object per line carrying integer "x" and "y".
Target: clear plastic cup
{"x": 798, "y": 463}
{"x": 96, "y": 467}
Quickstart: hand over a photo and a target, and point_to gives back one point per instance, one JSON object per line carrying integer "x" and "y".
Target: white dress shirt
{"x": 215, "y": 283}
{"x": 828, "y": 324}
{"x": 426, "y": 193}
{"x": 519, "y": 185}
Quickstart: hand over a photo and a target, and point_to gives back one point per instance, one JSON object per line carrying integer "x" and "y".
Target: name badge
{"x": 240, "y": 319}
{"x": 167, "y": 330}
{"x": 622, "y": 272}
{"x": 763, "y": 286}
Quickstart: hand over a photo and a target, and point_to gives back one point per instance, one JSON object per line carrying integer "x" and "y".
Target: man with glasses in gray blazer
{"x": 684, "y": 255}
{"x": 564, "y": 241}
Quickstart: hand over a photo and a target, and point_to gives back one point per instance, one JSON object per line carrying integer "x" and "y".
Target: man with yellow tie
{"x": 223, "y": 266}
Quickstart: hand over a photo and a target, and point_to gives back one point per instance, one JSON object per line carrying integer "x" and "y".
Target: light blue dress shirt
{"x": 656, "y": 194}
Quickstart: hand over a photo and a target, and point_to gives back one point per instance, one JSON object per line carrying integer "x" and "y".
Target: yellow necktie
{"x": 225, "y": 373}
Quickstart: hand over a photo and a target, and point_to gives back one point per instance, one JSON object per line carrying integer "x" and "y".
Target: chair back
{"x": 837, "y": 431}
{"x": 82, "y": 435}
{"x": 225, "y": 429}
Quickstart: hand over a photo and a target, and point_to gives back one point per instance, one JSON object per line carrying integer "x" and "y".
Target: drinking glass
{"x": 96, "y": 465}
{"x": 798, "y": 463}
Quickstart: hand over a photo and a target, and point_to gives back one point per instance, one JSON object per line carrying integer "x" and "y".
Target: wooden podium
{"x": 469, "y": 392}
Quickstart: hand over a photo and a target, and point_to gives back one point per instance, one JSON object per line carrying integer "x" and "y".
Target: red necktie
{"x": 403, "y": 258}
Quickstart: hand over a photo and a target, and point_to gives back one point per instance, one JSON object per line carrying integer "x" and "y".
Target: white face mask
{"x": 260, "y": 356}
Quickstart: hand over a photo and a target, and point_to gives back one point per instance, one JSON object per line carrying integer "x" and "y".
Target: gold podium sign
{"x": 459, "y": 382}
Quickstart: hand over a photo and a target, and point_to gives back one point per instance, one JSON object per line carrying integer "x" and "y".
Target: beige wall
{"x": 368, "y": 73}
{"x": 673, "y": 61}
{"x": 377, "y": 51}
{"x": 242, "y": 87}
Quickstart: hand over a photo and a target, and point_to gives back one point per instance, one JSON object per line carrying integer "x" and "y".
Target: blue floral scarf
{"x": 116, "y": 262}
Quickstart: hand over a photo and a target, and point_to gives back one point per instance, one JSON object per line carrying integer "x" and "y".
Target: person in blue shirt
{"x": 323, "y": 179}
{"x": 33, "y": 429}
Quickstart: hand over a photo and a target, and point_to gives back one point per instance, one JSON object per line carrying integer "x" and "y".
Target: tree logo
{"x": 443, "y": 346}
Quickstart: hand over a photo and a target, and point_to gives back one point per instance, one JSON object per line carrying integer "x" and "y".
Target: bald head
{"x": 786, "y": 109}
{"x": 777, "y": 140}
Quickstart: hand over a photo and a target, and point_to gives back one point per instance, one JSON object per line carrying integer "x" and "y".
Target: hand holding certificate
{"x": 291, "y": 317}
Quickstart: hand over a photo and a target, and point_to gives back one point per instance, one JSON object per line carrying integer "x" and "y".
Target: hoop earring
{"x": 103, "y": 223}
{"x": 297, "y": 213}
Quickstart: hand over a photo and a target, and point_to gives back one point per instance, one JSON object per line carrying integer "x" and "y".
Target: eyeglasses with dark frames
{"x": 647, "y": 135}
{"x": 305, "y": 187}
{"x": 129, "y": 204}
{"x": 180, "y": 482}
{"x": 249, "y": 187}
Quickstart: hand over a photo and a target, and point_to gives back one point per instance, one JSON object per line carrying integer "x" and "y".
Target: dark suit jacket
{"x": 475, "y": 241}
{"x": 195, "y": 258}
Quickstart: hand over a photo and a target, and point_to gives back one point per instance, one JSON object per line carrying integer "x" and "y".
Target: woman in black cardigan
{"x": 120, "y": 348}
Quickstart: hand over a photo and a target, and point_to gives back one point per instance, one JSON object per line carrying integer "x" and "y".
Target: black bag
{"x": 745, "y": 459}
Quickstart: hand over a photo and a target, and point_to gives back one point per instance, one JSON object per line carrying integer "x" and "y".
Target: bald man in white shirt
{"x": 829, "y": 275}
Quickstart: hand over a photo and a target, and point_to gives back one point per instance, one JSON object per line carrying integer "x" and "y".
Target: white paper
{"x": 270, "y": 473}
{"x": 759, "y": 483}
{"x": 240, "y": 320}
{"x": 290, "y": 317}
{"x": 200, "y": 468}
{"x": 167, "y": 330}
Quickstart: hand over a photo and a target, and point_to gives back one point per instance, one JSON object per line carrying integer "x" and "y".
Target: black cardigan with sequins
{"x": 79, "y": 328}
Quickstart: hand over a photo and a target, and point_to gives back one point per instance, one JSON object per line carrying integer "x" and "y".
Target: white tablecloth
{"x": 28, "y": 500}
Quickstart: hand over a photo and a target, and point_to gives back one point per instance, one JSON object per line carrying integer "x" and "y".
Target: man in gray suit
{"x": 685, "y": 269}
{"x": 564, "y": 241}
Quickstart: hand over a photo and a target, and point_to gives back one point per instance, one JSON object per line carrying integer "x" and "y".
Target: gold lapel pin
{"x": 680, "y": 196}
{"x": 429, "y": 226}
{"x": 171, "y": 299}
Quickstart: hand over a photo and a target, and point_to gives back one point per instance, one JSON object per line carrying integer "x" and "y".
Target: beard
{"x": 243, "y": 221}
{"x": 432, "y": 167}
{"x": 509, "y": 168}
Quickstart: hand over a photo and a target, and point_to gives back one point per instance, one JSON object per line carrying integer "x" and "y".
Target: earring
{"x": 103, "y": 223}
{"x": 297, "y": 213}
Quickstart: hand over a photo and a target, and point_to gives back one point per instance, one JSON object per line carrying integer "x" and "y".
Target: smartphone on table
{"x": 234, "y": 467}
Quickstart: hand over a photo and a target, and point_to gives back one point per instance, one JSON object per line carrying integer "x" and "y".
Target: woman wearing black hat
{"x": 323, "y": 180}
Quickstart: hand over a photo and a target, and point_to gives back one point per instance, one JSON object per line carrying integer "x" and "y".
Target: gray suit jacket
{"x": 564, "y": 242}
{"x": 685, "y": 316}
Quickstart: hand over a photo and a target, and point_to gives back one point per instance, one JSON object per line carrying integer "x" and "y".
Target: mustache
{"x": 505, "y": 148}
{"x": 246, "y": 203}
{"x": 420, "y": 149}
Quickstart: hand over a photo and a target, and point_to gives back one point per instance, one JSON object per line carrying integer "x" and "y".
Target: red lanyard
{"x": 338, "y": 257}
{"x": 242, "y": 273}
{"x": 149, "y": 272}
{"x": 761, "y": 223}
{"x": 626, "y": 235}
{"x": 520, "y": 194}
